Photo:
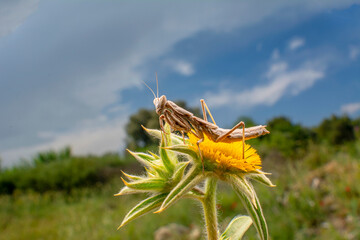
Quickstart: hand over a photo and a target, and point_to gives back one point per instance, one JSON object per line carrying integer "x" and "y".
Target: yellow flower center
{"x": 228, "y": 155}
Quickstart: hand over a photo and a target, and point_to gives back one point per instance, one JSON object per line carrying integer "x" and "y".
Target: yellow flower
{"x": 228, "y": 155}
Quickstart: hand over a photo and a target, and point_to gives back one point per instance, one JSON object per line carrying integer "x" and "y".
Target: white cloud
{"x": 97, "y": 137}
{"x": 296, "y": 43}
{"x": 351, "y": 108}
{"x": 354, "y": 52}
{"x": 182, "y": 67}
{"x": 276, "y": 68}
{"x": 76, "y": 88}
{"x": 281, "y": 82}
{"x": 13, "y": 13}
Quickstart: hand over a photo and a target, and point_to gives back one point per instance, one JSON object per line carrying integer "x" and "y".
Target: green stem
{"x": 209, "y": 205}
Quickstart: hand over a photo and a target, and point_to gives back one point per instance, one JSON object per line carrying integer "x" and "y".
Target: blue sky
{"x": 71, "y": 71}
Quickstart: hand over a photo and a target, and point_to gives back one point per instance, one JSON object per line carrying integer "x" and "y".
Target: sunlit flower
{"x": 228, "y": 155}
{"x": 168, "y": 179}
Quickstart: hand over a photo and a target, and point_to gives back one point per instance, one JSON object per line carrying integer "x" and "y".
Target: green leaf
{"x": 150, "y": 184}
{"x": 143, "y": 158}
{"x": 255, "y": 213}
{"x": 143, "y": 207}
{"x": 194, "y": 154}
{"x": 151, "y": 163}
{"x": 192, "y": 178}
{"x": 261, "y": 216}
{"x": 167, "y": 134}
{"x": 151, "y": 173}
{"x": 236, "y": 228}
{"x": 154, "y": 155}
{"x": 242, "y": 185}
{"x": 131, "y": 177}
{"x": 126, "y": 190}
{"x": 179, "y": 172}
{"x": 261, "y": 178}
{"x": 157, "y": 134}
{"x": 168, "y": 163}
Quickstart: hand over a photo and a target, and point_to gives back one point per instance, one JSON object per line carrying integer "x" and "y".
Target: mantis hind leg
{"x": 203, "y": 107}
{"x": 223, "y": 136}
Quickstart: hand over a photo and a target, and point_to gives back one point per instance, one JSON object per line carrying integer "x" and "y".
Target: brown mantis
{"x": 184, "y": 121}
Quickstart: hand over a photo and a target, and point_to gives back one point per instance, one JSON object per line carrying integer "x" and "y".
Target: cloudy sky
{"x": 71, "y": 71}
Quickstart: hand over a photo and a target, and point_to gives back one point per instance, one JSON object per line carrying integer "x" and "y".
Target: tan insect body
{"x": 186, "y": 122}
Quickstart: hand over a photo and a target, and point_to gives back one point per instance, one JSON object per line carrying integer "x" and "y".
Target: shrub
{"x": 60, "y": 175}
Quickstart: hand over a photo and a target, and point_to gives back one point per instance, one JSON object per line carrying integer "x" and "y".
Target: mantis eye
{"x": 156, "y": 101}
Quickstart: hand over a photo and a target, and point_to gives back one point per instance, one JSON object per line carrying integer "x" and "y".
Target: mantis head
{"x": 160, "y": 103}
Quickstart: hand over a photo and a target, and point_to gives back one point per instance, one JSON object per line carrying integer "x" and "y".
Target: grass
{"x": 90, "y": 213}
{"x": 316, "y": 198}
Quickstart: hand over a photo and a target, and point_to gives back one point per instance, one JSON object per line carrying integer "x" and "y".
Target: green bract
{"x": 164, "y": 179}
{"x": 169, "y": 179}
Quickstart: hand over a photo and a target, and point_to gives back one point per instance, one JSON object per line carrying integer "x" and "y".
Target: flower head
{"x": 228, "y": 155}
{"x": 168, "y": 178}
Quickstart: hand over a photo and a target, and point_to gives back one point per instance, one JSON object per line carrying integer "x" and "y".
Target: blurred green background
{"x": 58, "y": 195}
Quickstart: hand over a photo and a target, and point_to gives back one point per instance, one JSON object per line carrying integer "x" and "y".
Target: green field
{"x": 89, "y": 213}
{"x": 70, "y": 197}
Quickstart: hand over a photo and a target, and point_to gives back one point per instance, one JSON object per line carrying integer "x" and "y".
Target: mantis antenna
{"x": 157, "y": 86}
{"x": 150, "y": 89}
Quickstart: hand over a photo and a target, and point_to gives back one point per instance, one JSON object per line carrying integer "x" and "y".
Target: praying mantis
{"x": 184, "y": 121}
